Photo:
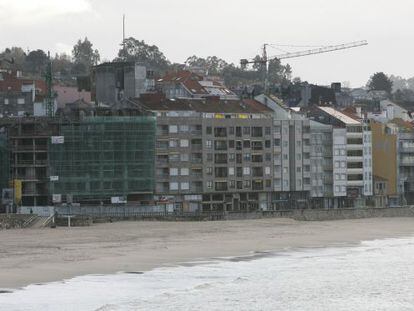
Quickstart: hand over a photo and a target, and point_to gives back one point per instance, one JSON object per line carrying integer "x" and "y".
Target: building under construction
{"x": 88, "y": 157}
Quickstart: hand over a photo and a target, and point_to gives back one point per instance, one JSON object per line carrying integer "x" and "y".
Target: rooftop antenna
{"x": 123, "y": 33}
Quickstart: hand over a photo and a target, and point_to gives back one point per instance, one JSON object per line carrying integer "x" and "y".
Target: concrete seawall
{"x": 354, "y": 213}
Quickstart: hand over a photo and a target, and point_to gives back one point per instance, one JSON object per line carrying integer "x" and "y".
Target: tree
{"x": 14, "y": 58}
{"x": 36, "y": 61}
{"x": 139, "y": 51}
{"x": 380, "y": 82}
{"x": 84, "y": 54}
{"x": 213, "y": 64}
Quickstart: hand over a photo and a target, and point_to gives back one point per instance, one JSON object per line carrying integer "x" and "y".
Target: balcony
{"x": 407, "y": 161}
{"x": 355, "y": 183}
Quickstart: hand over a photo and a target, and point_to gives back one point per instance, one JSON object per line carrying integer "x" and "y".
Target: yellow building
{"x": 384, "y": 157}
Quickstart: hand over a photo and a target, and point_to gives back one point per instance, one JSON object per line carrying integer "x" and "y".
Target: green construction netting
{"x": 103, "y": 157}
{"x": 4, "y": 163}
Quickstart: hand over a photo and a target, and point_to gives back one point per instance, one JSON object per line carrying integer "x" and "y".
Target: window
{"x": 184, "y": 128}
{"x": 232, "y": 184}
{"x": 239, "y": 171}
{"x": 343, "y": 176}
{"x": 337, "y": 189}
{"x": 174, "y": 157}
{"x": 173, "y": 171}
{"x": 6, "y": 101}
{"x": 231, "y": 171}
{"x": 247, "y": 184}
{"x": 209, "y": 157}
{"x": 231, "y": 157}
{"x": 246, "y": 171}
{"x": 185, "y": 185}
{"x": 343, "y": 164}
{"x": 231, "y": 144}
{"x": 209, "y": 130}
{"x": 299, "y": 182}
{"x": 173, "y": 185}
{"x": 285, "y": 144}
{"x": 337, "y": 164}
{"x": 209, "y": 184}
{"x": 343, "y": 188}
{"x": 336, "y": 152}
{"x": 268, "y": 157}
{"x": 276, "y": 142}
{"x": 231, "y": 130}
{"x": 246, "y": 143}
{"x": 209, "y": 144}
{"x": 285, "y": 157}
{"x": 267, "y": 143}
{"x": 185, "y": 171}
{"x": 239, "y": 185}
{"x": 267, "y": 170}
{"x": 238, "y": 131}
{"x": 298, "y": 170}
{"x": 285, "y": 170}
{"x": 173, "y": 129}
{"x": 238, "y": 158}
{"x": 184, "y": 157}
{"x": 220, "y": 132}
{"x": 209, "y": 171}
{"x": 267, "y": 130}
{"x": 173, "y": 143}
{"x": 20, "y": 101}
{"x": 184, "y": 143}
{"x": 246, "y": 157}
{"x": 337, "y": 176}
{"x": 239, "y": 145}
{"x": 246, "y": 130}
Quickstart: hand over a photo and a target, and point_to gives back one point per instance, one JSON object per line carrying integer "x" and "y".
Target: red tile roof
{"x": 10, "y": 82}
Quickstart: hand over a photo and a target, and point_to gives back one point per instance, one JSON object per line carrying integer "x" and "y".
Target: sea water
{"x": 376, "y": 275}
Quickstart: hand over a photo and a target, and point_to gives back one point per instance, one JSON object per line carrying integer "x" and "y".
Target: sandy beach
{"x": 30, "y": 256}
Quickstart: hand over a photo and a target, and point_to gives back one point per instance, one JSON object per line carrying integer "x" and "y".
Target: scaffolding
{"x": 102, "y": 157}
{"x": 4, "y": 163}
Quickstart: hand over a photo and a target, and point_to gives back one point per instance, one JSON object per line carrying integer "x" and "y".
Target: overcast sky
{"x": 230, "y": 29}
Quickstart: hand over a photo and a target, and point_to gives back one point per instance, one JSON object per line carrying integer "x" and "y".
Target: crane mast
{"x": 264, "y": 60}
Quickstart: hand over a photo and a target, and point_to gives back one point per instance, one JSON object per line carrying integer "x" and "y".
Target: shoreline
{"x": 33, "y": 256}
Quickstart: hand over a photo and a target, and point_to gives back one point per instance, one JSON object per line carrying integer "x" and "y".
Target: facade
{"x": 117, "y": 81}
{"x": 19, "y": 96}
{"x": 352, "y": 156}
{"x": 213, "y": 155}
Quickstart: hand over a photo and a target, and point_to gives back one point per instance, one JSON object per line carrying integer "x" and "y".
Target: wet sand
{"x": 30, "y": 256}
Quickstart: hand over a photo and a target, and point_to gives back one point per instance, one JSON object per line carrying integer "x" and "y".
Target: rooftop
{"x": 340, "y": 116}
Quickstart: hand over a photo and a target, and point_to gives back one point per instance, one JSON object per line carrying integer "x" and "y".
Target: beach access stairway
{"x": 37, "y": 222}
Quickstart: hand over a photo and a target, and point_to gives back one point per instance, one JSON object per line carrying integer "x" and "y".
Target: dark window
{"x": 231, "y": 130}
{"x": 238, "y": 145}
{"x": 267, "y": 130}
{"x": 246, "y": 130}
{"x": 257, "y": 131}
{"x": 231, "y": 143}
{"x": 276, "y": 142}
{"x": 246, "y": 143}
{"x": 239, "y": 171}
{"x": 238, "y": 131}
{"x": 209, "y": 130}
{"x": 220, "y": 132}
{"x": 267, "y": 143}
{"x": 238, "y": 158}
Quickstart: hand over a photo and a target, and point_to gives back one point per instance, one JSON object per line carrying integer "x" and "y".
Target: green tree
{"x": 14, "y": 58}
{"x": 212, "y": 64}
{"x": 380, "y": 82}
{"x": 84, "y": 55}
{"x": 36, "y": 62}
{"x": 139, "y": 51}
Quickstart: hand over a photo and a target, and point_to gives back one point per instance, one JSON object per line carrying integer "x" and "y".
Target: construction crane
{"x": 264, "y": 60}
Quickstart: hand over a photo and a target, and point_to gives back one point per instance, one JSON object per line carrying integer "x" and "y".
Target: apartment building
{"x": 212, "y": 155}
{"x": 352, "y": 156}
